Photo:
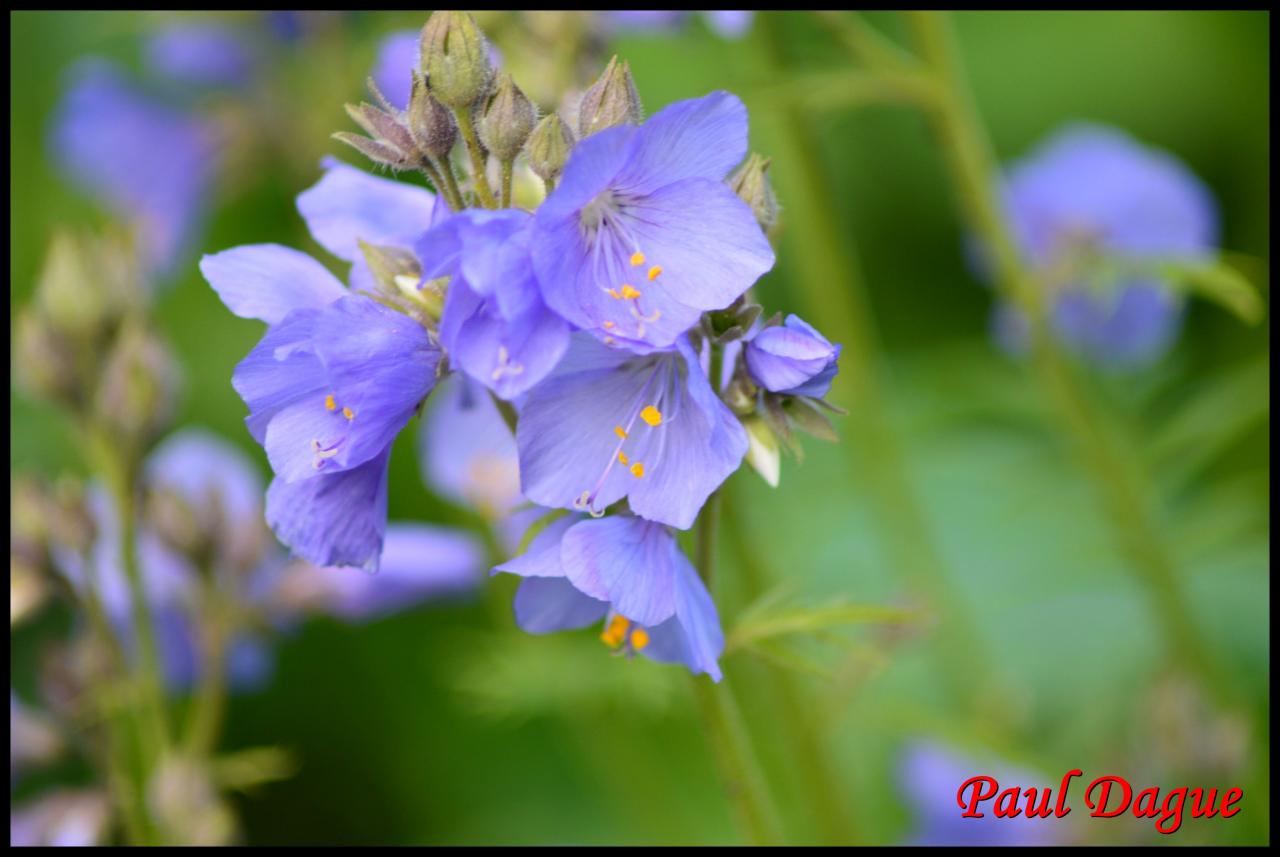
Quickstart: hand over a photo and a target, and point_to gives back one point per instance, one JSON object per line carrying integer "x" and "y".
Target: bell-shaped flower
{"x": 495, "y": 325}
{"x": 642, "y": 235}
{"x": 609, "y": 424}
{"x": 628, "y": 573}
{"x": 792, "y": 358}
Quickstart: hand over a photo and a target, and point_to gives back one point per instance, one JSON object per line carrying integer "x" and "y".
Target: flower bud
{"x": 390, "y": 142}
{"x": 751, "y": 183}
{"x": 430, "y": 122}
{"x": 46, "y": 360}
{"x": 455, "y": 56}
{"x": 399, "y": 277}
{"x": 792, "y": 358}
{"x": 611, "y": 100}
{"x": 764, "y": 454}
{"x": 548, "y": 147}
{"x": 139, "y": 385}
{"x": 507, "y": 121}
{"x": 66, "y": 290}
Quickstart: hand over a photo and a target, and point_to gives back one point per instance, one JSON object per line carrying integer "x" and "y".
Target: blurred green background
{"x": 445, "y": 725}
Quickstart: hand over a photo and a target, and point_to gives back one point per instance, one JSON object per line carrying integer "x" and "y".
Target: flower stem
{"x": 477, "y": 154}
{"x": 506, "y": 183}
{"x": 436, "y": 175}
{"x": 209, "y": 704}
{"x": 744, "y": 781}
{"x": 972, "y": 165}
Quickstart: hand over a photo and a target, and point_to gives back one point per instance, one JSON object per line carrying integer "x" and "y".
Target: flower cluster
{"x": 596, "y": 349}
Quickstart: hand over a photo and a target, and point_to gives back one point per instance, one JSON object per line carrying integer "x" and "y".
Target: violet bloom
{"x": 930, "y": 775}
{"x": 792, "y": 358}
{"x": 642, "y": 235}
{"x": 398, "y": 56}
{"x": 200, "y": 54}
{"x": 150, "y": 163}
{"x": 337, "y": 375}
{"x": 495, "y": 326}
{"x": 609, "y": 424}
{"x": 1092, "y": 193}
{"x": 628, "y": 572}
{"x": 726, "y": 23}
{"x": 467, "y": 452}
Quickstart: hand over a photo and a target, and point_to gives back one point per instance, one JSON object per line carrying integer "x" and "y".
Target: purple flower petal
{"x": 546, "y": 604}
{"x": 393, "y": 70}
{"x": 625, "y": 561}
{"x": 268, "y": 281}
{"x": 692, "y": 637}
{"x": 700, "y": 138}
{"x": 467, "y": 452}
{"x": 792, "y": 358}
{"x": 348, "y": 205}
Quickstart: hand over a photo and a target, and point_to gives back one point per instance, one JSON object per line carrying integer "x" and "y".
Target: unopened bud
{"x": 390, "y": 142}
{"x": 430, "y": 122}
{"x": 46, "y": 360}
{"x": 611, "y": 100}
{"x": 507, "y": 121}
{"x": 67, "y": 291}
{"x": 763, "y": 451}
{"x": 399, "y": 278}
{"x": 139, "y": 385}
{"x": 455, "y": 56}
{"x": 548, "y": 147}
{"x": 751, "y": 183}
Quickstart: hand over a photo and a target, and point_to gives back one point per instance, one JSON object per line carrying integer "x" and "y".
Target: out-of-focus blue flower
{"x": 609, "y": 424}
{"x": 627, "y": 571}
{"x": 398, "y": 56}
{"x": 1089, "y": 194}
{"x": 467, "y": 452}
{"x": 33, "y": 739}
{"x": 495, "y": 326}
{"x": 200, "y": 54}
{"x": 337, "y": 375}
{"x": 726, "y": 23}
{"x": 419, "y": 563}
{"x": 150, "y": 163}
{"x": 792, "y": 358}
{"x": 642, "y": 235}
{"x": 328, "y": 390}
{"x": 64, "y": 817}
{"x": 930, "y": 775}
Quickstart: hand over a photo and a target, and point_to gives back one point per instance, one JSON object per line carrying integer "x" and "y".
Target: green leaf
{"x": 773, "y": 617}
{"x": 1221, "y": 283}
{"x": 243, "y": 770}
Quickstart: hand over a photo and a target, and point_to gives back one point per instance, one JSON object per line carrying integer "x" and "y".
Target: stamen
{"x": 618, "y": 430}
{"x": 645, "y": 319}
{"x": 616, "y": 631}
{"x": 608, "y": 325}
{"x": 630, "y": 292}
{"x": 654, "y": 272}
{"x": 349, "y": 414}
{"x": 505, "y": 365}
{"x": 329, "y": 403}
{"x": 613, "y": 293}
{"x": 622, "y": 458}
{"x": 651, "y": 415}
{"x": 639, "y": 639}
{"x": 637, "y": 259}
{"x": 321, "y": 453}
{"x": 637, "y": 470}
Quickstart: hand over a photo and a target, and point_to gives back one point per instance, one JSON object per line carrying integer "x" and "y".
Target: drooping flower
{"x": 201, "y": 53}
{"x": 642, "y": 235}
{"x": 495, "y": 326}
{"x": 628, "y": 572}
{"x": 792, "y": 358}
{"x": 150, "y": 163}
{"x": 609, "y": 424}
{"x": 1091, "y": 196}
{"x": 931, "y": 774}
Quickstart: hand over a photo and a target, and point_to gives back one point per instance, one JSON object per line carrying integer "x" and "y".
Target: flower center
{"x": 622, "y": 635}
{"x": 603, "y": 221}
{"x": 319, "y": 449}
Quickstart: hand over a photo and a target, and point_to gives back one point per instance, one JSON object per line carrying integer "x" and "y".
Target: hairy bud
{"x": 751, "y": 183}
{"x": 139, "y": 385}
{"x": 455, "y": 56}
{"x": 507, "y": 121}
{"x": 430, "y": 122}
{"x": 548, "y": 147}
{"x": 611, "y": 100}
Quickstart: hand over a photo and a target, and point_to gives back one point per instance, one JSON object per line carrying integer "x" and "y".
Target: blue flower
{"x": 609, "y": 424}
{"x": 726, "y": 23}
{"x": 393, "y": 69}
{"x": 930, "y": 774}
{"x": 495, "y": 326}
{"x": 628, "y": 572}
{"x": 642, "y": 235}
{"x": 1090, "y": 194}
{"x": 200, "y": 54}
{"x": 150, "y": 163}
{"x": 792, "y": 358}
{"x": 467, "y": 453}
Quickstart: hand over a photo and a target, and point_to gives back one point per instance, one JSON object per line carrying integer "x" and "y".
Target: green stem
{"x": 974, "y": 173}
{"x": 830, "y": 283}
{"x": 209, "y": 704}
{"x": 476, "y": 152}
{"x": 506, "y": 183}
{"x": 436, "y": 177}
{"x": 740, "y": 770}
{"x": 451, "y": 181}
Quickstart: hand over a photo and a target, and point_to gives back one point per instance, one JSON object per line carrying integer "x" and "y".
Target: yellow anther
{"x": 611, "y": 639}
{"x": 651, "y": 415}
{"x": 613, "y": 293}
{"x": 348, "y": 413}
{"x": 608, "y": 325}
{"x": 637, "y": 259}
{"x": 637, "y": 470}
{"x": 622, "y": 458}
{"x": 630, "y": 292}
{"x": 639, "y": 638}
{"x": 620, "y": 432}
{"x": 329, "y": 403}
{"x": 654, "y": 272}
